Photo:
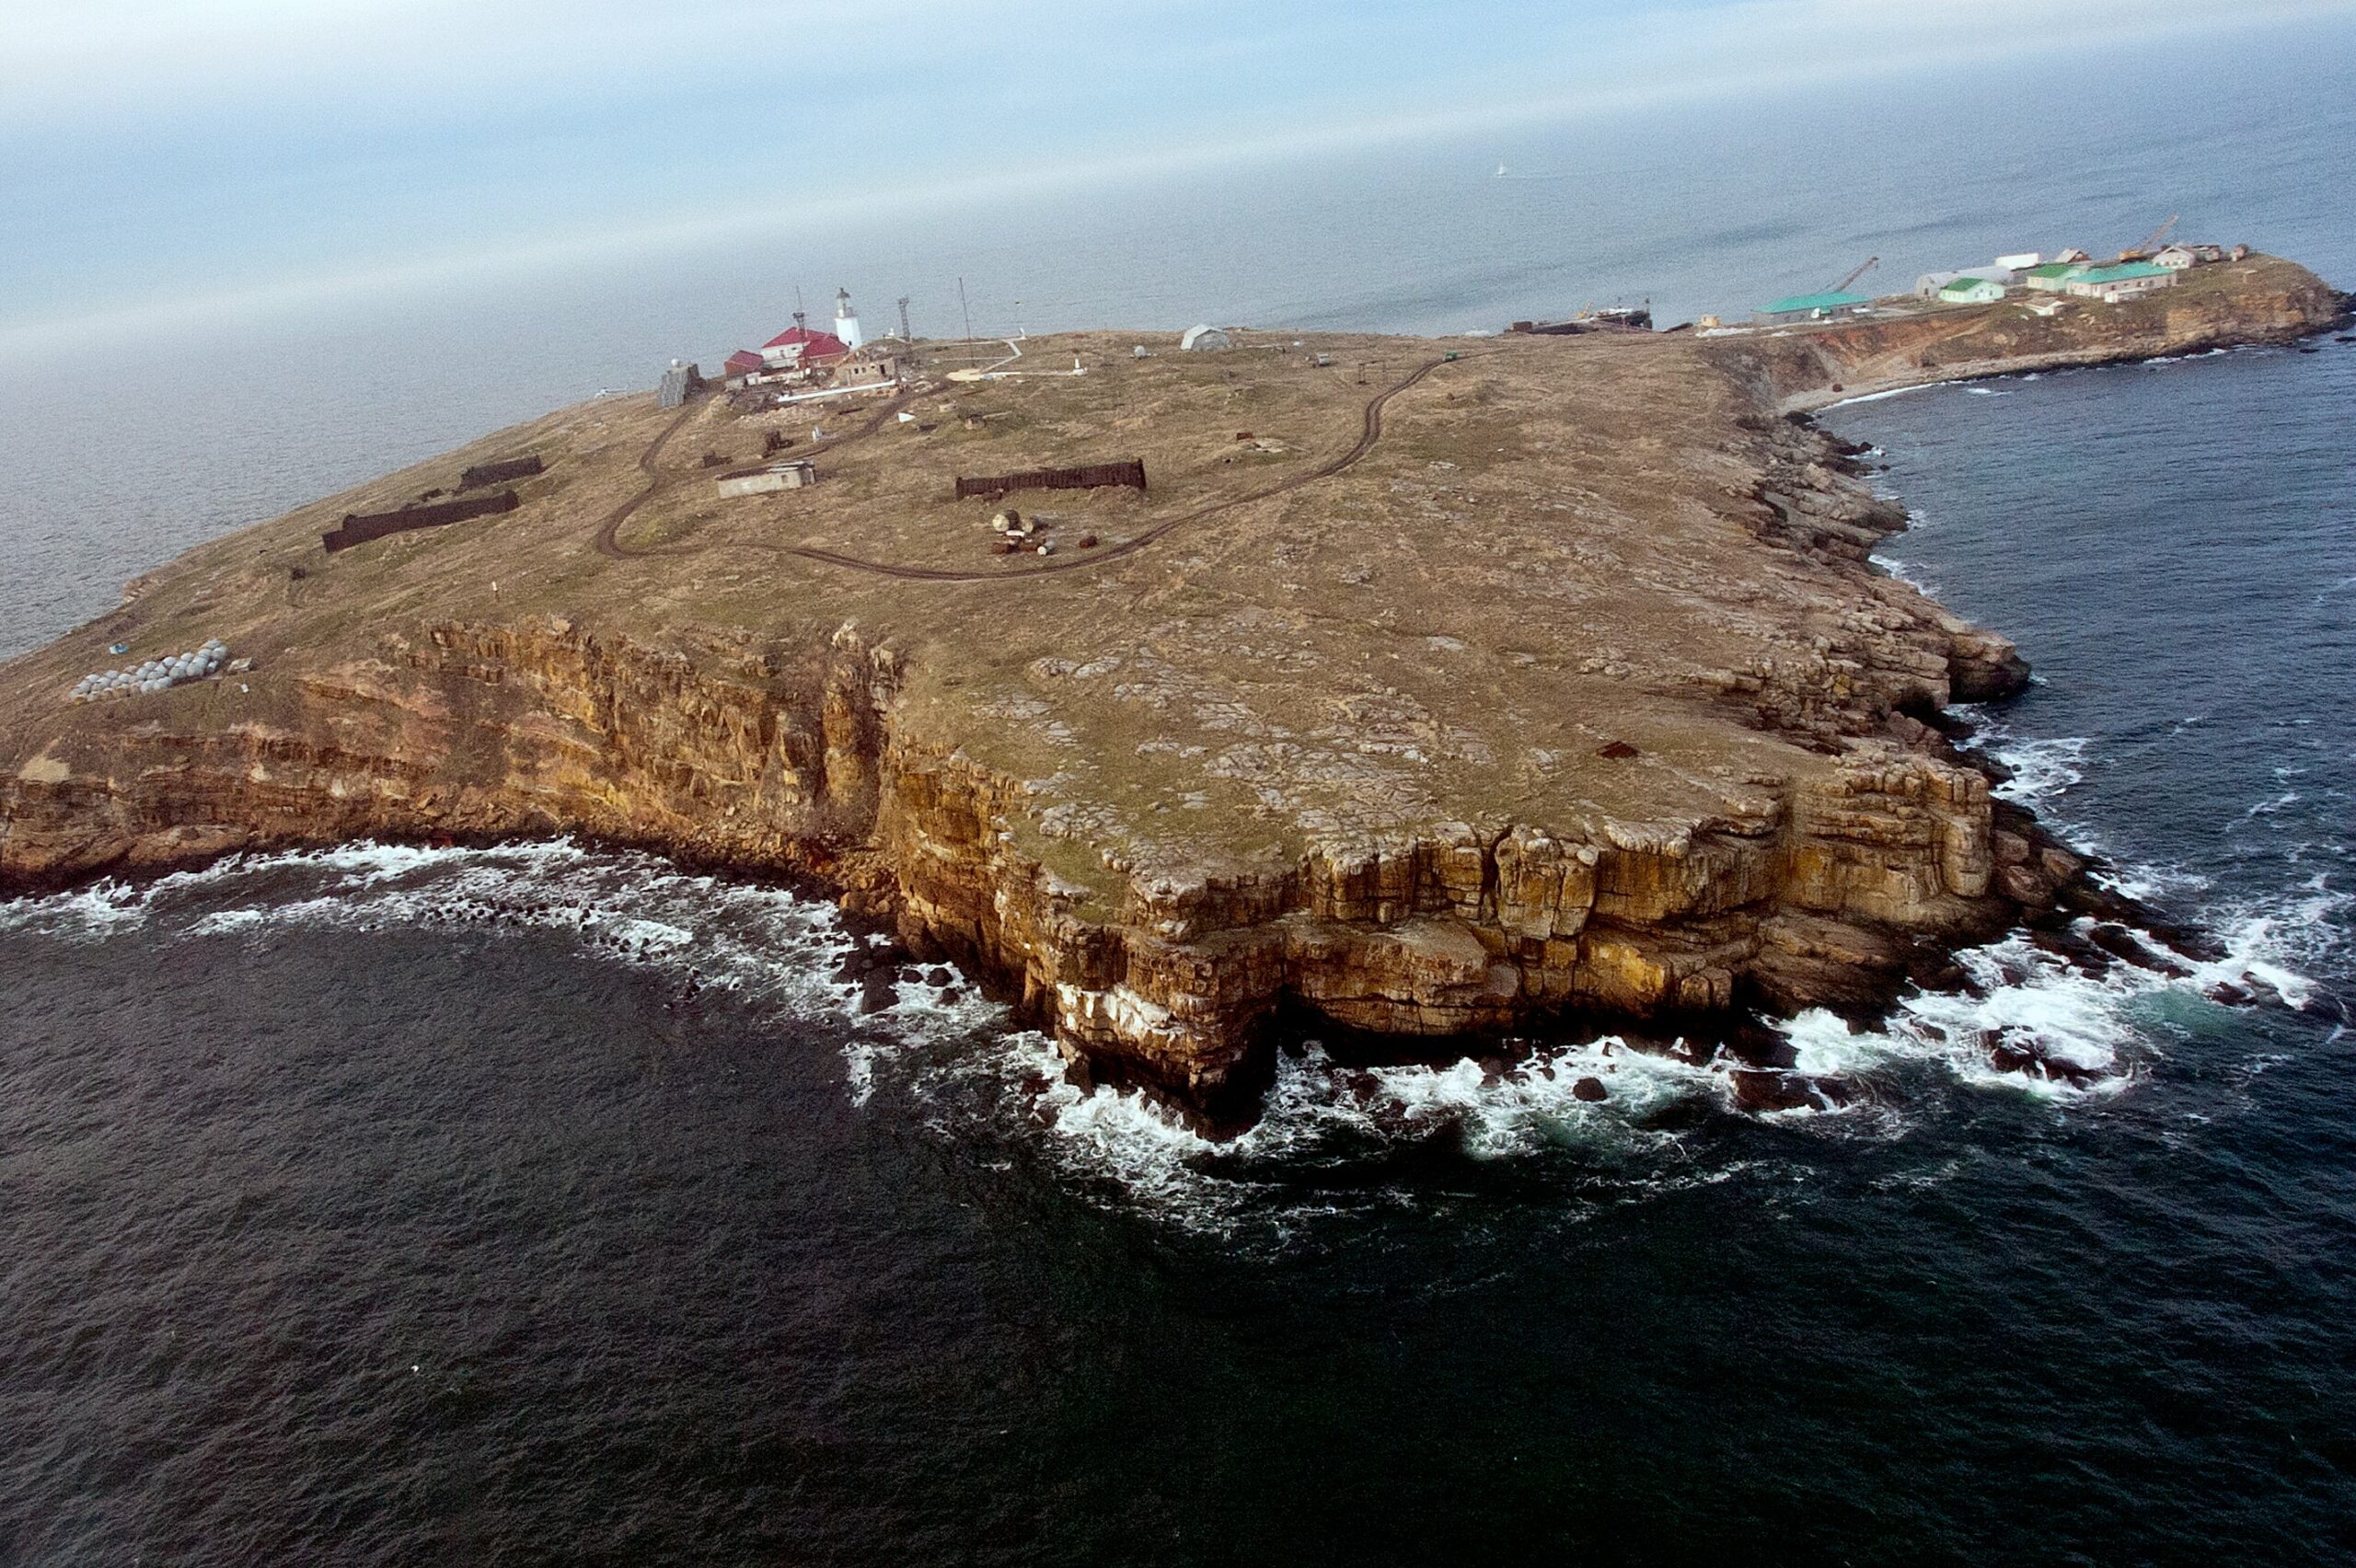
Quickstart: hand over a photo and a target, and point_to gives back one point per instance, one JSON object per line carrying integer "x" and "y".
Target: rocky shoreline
{"x": 1677, "y": 760}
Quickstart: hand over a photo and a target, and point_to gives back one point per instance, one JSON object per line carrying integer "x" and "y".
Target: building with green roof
{"x": 1809, "y": 307}
{"x": 1972, "y": 290}
{"x": 2125, "y": 281}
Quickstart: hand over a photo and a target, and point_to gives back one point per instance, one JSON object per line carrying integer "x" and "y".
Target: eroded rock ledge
{"x": 1578, "y": 696}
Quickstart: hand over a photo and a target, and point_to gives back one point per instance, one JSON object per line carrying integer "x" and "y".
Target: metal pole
{"x": 966, "y": 309}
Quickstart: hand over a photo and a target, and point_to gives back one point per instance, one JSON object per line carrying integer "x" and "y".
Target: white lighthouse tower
{"x": 846, "y": 320}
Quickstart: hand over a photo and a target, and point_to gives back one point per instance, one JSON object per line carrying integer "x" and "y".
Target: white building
{"x": 2020, "y": 263}
{"x": 847, "y": 321}
{"x": 1928, "y": 285}
{"x": 1972, "y": 290}
{"x": 2175, "y": 258}
{"x": 2128, "y": 279}
{"x": 1199, "y": 339}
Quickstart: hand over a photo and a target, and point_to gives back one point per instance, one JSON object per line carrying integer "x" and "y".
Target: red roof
{"x": 744, "y": 359}
{"x": 815, "y": 345}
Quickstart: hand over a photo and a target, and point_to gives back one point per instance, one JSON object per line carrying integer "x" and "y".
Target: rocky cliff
{"x": 1575, "y": 694}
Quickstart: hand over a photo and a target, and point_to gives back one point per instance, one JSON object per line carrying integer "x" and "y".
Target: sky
{"x": 170, "y": 154}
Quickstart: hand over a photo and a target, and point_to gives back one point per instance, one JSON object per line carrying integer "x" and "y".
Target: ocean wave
{"x": 91, "y": 913}
{"x": 1910, "y": 576}
{"x": 762, "y": 941}
{"x": 933, "y": 1046}
{"x": 1893, "y": 392}
{"x": 1326, "y": 1131}
{"x": 2043, "y": 769}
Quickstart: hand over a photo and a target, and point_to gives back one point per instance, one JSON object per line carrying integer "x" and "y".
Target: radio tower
{"x": 905, "y": 336}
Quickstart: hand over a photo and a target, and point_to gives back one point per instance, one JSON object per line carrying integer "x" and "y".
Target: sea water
{"x": 546, "y": 1203}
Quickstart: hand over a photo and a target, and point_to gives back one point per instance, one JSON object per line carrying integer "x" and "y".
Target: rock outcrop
{"x": 1579, "y": 695}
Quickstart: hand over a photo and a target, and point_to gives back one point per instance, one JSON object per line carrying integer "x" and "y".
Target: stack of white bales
{"x": 155, "y": 674}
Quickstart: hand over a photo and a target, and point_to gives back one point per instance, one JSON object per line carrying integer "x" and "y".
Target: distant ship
{"x": 1501, "y": 172}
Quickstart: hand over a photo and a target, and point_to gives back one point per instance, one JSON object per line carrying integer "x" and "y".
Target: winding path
{"x": 610, "y": 532}
{"x": 1370, "y": 431}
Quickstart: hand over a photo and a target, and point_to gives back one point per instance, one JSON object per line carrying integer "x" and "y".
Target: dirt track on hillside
{"x": 609, "y": 542}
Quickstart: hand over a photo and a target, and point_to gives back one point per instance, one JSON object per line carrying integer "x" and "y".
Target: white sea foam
{"x": 2107, "y": 1024}
{"x": 103, "y": 910}
{"x": 950, "y": 1054}
{"x": 2042, "y": 769}
{"x": 1907, "y": 575}
{"x": 1893, "y": 392}
{"x": 222, "y": 922}
{"x": 763, "y": 941}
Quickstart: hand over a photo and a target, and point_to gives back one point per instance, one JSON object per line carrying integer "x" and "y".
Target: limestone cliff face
{"x": 785, "y": 757}
{"x": 765, "y": 758}
{"x": 1578, "y": 694}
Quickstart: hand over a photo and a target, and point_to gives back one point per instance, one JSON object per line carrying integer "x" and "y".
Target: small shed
{"x": 1972, "y": 290}
{"x": 1928, "y": 285}
{"x": 1198, "y": 340}
{"x": 2175, "y": 258}
{"x": 762, "y": 481}
{"x": 867, "y": 368}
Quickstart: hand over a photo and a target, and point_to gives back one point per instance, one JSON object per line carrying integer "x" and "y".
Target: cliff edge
{"x": 1429, "y": 689}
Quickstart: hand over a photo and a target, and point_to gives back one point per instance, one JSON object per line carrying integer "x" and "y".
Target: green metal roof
{"x": 1815, "y": 302}
{"x": 2125, "y": 269}
{"x": 1964, "y": 285}
{"x": 2053, "y": 270}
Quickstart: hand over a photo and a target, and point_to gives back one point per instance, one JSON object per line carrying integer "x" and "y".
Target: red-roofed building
{"x": 745, "y": 362}
{"x": 799, "y": 345}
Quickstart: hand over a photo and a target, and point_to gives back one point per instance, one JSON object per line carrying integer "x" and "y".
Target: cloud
{"x": 383, "y": 143}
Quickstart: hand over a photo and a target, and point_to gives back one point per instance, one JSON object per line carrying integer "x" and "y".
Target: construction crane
{"x": 1842, "y": 286}
{"x": 2151, "y": 241}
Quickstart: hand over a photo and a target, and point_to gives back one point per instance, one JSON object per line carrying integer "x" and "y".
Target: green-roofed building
{"x": 1809, "y": 307}
{"x": 2128, "y": 279}
{"x": 1972, "y": 290}
{"x": 2053, "y": 277}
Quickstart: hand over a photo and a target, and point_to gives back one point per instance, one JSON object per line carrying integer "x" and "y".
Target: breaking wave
{"x": 927, "y": 1047}
{"x": 762, "y": 943}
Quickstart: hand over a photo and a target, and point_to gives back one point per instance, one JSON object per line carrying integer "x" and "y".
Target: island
{"x": 1421, "y": 689}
